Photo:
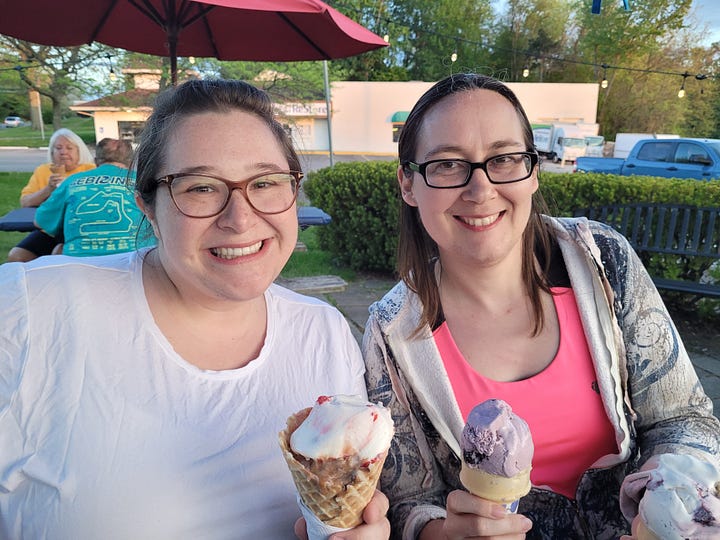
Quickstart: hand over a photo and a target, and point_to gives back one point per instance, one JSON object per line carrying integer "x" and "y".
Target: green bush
{"x": 568, "y": 191}
{"x": 363, "y": 200}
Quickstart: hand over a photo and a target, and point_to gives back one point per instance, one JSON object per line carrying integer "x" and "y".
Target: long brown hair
{"x": 417, "y": 251}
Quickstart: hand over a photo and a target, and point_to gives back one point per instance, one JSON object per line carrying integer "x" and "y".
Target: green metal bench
{"x": 688, "y": 234}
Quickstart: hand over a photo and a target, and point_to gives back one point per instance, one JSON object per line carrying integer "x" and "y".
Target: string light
{"x": 604, "y": 82}
{"x": 526, "y": 72}
{"x": 701, "y": 77}
{"x": 681, "y": 92}
{"x": 191, "y": 59}
{"x": 453, "y": 57}
{"x": 386, "y": 38}
{"x": 112, "y": 76}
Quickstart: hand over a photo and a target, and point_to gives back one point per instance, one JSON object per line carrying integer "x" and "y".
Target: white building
{"x": 366, "y": 116}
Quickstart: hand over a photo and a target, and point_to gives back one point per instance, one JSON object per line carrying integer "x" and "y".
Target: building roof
{"x": 138, "y": 99}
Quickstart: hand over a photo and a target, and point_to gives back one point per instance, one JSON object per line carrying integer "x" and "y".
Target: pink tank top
{"x": 561, "y": 404}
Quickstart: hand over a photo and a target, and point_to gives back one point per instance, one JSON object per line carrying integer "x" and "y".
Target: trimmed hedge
{"x": 568, "y": 191}
{"x": 363, "y": 200}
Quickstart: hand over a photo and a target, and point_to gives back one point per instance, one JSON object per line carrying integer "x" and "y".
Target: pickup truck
{"x": 670, "y": 158}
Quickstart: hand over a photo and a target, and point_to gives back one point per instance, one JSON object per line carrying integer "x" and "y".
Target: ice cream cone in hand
{"x": 497, "y": 454}
{"x": 335, "y": 452}
{"x": 681, "y": 500}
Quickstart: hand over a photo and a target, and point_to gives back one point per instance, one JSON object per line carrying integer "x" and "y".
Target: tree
{"x": 529, "y": 35}
{"x": 56, "y": 73}
{"x": 13, "y": 94}
{"x": 648, "y": 44}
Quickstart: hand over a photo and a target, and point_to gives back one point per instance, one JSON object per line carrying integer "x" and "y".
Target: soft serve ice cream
{"x": 335, "y": 452}
{"x": 497, "y": 451}
{"x": 343, "y": 426}
{"x": 681, "y": 500}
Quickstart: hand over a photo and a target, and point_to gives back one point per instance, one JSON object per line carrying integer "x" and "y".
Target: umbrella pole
{"x": 172, "y": 46}
{"x": 329, "y": 112}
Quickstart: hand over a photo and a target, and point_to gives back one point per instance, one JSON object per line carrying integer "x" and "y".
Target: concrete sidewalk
{"x": 354, "y": 301}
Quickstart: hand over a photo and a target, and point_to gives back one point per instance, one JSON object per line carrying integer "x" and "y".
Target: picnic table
{"x": 20, "y": 219}
{"x": 23, "y": 219}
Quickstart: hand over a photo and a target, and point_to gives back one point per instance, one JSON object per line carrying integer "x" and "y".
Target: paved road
{"x": 21, "y": 160}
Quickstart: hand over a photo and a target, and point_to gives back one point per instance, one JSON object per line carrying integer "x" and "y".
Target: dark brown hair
{"x": 108, "y": 150}
{"x": 417, "y": 251}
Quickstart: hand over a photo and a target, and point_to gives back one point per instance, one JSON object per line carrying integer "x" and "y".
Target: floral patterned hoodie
{"x": 649, "y": 387}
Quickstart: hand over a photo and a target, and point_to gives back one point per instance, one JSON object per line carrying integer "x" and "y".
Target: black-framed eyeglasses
{"x": 455, "y": 173}
{"x": 200, "y": 195}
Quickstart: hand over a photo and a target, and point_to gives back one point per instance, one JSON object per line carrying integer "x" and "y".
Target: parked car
{"x": 669, "y": 158}
{"x": 13, "y": 121}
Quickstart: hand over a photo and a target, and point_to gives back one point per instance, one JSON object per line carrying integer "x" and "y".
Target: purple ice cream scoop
{"x": 496, "y": 440}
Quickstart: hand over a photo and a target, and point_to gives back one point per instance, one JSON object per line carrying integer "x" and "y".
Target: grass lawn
{"x": 27, "y": 136}
{"x": 312, "y": 262}
{"x": 10, "y": 186}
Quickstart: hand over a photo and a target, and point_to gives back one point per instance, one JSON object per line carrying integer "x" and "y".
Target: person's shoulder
{"x": 577, "y": 226}
{"x": 85, "y": 167}
{"x": 299, "y": 301}
{"x": 295, "y": 302}
{"x": 43, "y": 167}
{"x": 63, "y": 267}
{"x": 389, "y": 307}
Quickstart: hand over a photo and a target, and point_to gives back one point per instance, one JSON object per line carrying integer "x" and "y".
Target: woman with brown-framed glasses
{"x": 557, "y": 317}
{"x": 141, "y": 394}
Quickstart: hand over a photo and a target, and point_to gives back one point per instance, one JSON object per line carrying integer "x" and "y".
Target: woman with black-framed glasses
{"x": 555, "y": 316}
{"x": 141, "y": 394}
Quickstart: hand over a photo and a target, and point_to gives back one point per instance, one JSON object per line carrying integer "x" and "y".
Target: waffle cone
{"x": 493, "y": 487}
{"x": 643, "y": 533}
{"x": 335, "y": 490}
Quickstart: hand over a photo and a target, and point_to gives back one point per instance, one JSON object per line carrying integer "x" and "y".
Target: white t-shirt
{"x": 106, "y": 433}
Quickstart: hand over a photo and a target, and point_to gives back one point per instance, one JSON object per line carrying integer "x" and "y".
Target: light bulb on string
{"x": 604, "y": 82}
{"x": 191, "y": 59}
{"x": 112, "y": 75}
{"x": 681, "y": 92}
{"x": 453, "y": 57}
{"x": 526, "y": 72}
{"x": 386, "y": 38}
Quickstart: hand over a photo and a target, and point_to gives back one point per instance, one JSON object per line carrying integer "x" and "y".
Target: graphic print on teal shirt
{"x": 97, "y": 212}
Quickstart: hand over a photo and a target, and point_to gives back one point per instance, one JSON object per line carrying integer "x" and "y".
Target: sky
{"x": 708, "y": 11}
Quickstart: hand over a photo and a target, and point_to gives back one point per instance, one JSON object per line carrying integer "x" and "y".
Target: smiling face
{"x": 237, "y": 254}
{"x": 480, "y": 224}
{"x": 66, "y": 153}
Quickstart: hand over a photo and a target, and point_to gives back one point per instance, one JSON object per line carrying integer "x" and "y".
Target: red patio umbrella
{"x": 262, "y": 30}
